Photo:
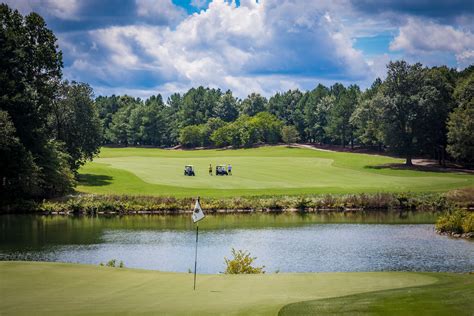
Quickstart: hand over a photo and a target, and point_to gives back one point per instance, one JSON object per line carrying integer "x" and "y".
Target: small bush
{"x": 113, "y": 264}
{"x": 457, "y": 222}
{"x": 242, "y": 263}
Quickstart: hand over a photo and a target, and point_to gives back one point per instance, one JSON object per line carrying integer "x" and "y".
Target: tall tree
{"x": 339, "y": 126}
{"x": 461, "y": 122}
{"x": 437, "y": 102}
{"x": 226, "y": 108}
{"x": 284, "y": 105}
{"x": 403, "y": 111}
{"x": 367, "y": 116}
{"x": 315, "y": 114}
{"x": 30, "y": 71}
{"x": 75, "y": 122}
{"x": 253, "y": 104}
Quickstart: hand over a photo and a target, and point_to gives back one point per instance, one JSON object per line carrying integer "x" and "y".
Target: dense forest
{"x": 49, "y": 127}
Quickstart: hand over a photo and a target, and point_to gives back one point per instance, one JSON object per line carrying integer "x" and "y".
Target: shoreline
{"x": 164, "y": 205}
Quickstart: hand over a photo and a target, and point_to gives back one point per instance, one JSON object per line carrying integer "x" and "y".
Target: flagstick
{"x": 196, "y": 254}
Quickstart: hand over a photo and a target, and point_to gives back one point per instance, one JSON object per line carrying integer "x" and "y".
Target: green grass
{"x": 259, "y": 171}
{"x": 28, "y": 288}
{"x": 451, "y": 295}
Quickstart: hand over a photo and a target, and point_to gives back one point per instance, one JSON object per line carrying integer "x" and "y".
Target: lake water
{"x": 360, "y": 241}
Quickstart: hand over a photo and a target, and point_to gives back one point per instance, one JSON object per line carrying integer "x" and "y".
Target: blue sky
{"x": 145, "y": 47}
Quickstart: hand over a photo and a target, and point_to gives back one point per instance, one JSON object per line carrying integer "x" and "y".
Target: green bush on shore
{"x": 242, "y": 263}
{"x": 458, "y": 221}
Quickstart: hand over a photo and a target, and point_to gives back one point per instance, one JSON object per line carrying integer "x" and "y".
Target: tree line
{"x": 415, "y": 111}
{"x": 49, "y": 127}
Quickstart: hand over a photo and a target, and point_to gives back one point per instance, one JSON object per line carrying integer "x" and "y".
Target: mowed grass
{"x": 451, "y": 295}
{"x": 276, "y": 170}
{"x": 34, "y": 288}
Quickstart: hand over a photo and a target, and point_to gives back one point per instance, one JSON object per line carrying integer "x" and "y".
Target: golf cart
{"x": 189, "y": 170}
{"x": 221, "y": 170}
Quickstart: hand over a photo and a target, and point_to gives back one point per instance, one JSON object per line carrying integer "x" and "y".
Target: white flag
{"x": 198, "y": 214}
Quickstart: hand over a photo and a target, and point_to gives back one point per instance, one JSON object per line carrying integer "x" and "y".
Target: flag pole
{"x": 196, "y": 254}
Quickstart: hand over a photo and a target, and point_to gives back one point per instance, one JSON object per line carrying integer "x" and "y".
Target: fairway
{"x": 56, "y": 288}
{"x": 274, "y": 170}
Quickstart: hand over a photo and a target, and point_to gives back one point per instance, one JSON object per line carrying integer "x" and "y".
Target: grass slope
{"x": 64, "y": 289}
{"x": 451, "y": 295}
{"x": 259, "y": 171}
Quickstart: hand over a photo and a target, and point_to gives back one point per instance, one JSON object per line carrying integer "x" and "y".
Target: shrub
{"x": 113, "y": 264}
{"x": 242, "y": 263}
{"x": 458, "y": 222}
{"x": 289, "y": 134}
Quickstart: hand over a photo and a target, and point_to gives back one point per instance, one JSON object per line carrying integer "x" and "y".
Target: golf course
{"x": 39, "y": 288}
{"x": 272, "y": 170}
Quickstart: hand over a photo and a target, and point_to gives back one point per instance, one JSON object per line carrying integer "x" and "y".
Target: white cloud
{"x": 163, "y": 11}
{"x": 198, "y": 3}
{"x": 421, "y": 37}
{"x": 259, "y": 46}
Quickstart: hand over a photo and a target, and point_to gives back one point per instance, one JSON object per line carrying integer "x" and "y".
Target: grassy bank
{"x": 261, "y": 171}
{"x": 122, "y": 204}
{"x": 58, "y": 289}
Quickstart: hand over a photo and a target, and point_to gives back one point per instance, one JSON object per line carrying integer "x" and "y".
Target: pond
{"x": 288, "y": 242}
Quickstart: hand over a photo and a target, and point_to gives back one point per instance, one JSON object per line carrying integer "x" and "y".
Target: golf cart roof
{"x": 188, "y": 166}
{"x": 221, "y": 165}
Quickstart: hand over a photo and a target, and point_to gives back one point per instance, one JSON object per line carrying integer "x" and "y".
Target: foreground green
{"x": 58, "y": 289}
{"x": 451, "y": 295}
{"x": 260, "y": 171}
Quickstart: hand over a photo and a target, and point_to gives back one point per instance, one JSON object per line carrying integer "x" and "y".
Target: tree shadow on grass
{"x": 424, "y": 168}
{"x": 94, "y": 180}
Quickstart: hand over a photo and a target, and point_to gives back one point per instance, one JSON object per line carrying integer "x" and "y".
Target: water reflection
{"x": 362, "y": 241}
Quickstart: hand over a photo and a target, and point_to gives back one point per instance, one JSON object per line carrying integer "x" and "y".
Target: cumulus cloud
{"x": 198, "y": 3}
{"x": 261, "y": 46}
{"x": 420, "y": 37}
{"x": 163, "y": 11}
{"x": 151, "y": 46}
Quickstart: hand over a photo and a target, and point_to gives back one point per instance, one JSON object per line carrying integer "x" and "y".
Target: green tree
{"x": 316, "y": 109}
{"x": 75, "y": 122}
{"x": 284, "y": 105}
{"x": 19, "y": 174}
{"x": 437, "y": 102}
{"x": 226, "y": 135}
{"x": 125, "y": 128}
{"x": 460, "y": 134}
{"x": 212, "y": 125}
{"x": 339, "y": 127}
{"x": 268, "y": 127}
{"x": 253, "y": 104}
{"x": 403, "y": 113}
{"x": 170, "y": 113}
{"x": 289, "y": 134}
{"x": 226, "y": 108}
{"x": 461, "y": 122}
{"x": 191, "y": 136}
{"x": 198, "y": 105}
{"x": 367, "y": 116}
{"x": 30, "y": 72}
{"x": 107, "y": 107}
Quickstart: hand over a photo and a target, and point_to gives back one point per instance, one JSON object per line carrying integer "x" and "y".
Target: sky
{"x": 146, "y": 47}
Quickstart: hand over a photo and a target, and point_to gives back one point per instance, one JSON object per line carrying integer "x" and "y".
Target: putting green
{"x": 260, "y": 171}
{"x": 64, "y": 289}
